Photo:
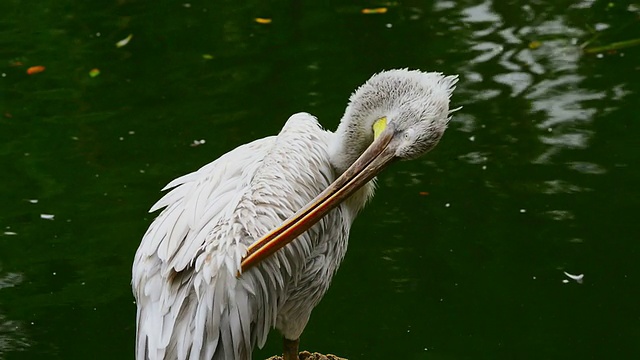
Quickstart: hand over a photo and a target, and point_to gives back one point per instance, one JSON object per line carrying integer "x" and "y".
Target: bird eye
{"x": 408, "y": 135}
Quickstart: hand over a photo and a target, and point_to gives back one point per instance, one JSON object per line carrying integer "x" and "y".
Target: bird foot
{"x": 290, "y": 349}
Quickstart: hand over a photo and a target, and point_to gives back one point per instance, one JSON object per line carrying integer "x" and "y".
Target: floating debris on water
{"x": 380, "y": 10}
{"x": 124, "y": 41}
{"x": 535, "y": 44}
{"x": 35, "y": 69}
{"x": 577, "y": 278}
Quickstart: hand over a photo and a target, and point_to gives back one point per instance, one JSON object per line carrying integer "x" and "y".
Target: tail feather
{"x": 211, "y": 323}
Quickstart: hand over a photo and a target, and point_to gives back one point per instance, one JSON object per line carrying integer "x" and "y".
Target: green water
{"x": 461, "y": 255}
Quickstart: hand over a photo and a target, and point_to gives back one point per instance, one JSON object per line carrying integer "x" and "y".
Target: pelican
{"x": 251, "y": 241}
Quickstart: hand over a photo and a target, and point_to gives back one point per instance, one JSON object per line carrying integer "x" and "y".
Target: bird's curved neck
{"x": 350, "y": 140}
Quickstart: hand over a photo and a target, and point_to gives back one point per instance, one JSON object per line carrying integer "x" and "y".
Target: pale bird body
{"x": 199, "y": 295}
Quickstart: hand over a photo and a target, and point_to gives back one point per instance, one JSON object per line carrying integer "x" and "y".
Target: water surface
{"x": 461, "y": 255}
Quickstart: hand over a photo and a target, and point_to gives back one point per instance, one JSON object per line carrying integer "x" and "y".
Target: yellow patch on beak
{"x": 379, "y": 126}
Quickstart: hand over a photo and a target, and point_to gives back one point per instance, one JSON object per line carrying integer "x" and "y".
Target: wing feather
{"x": 191, "y": 305}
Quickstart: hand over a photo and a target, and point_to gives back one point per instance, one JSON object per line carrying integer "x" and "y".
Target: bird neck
{"x": 351, "y": 139}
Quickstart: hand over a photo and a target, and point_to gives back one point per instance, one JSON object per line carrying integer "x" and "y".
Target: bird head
{"x": 395, "y": 115}
{"x": 412, "y": 106}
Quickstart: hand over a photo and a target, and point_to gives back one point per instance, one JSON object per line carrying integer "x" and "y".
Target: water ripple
{"x": 537, "y": 63}
{"x": 12, "y": 335}
{"x": 10, "y": 280}
{"x": 517, "y": 81}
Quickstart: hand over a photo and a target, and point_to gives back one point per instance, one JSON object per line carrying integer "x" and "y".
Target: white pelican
{"x": 208, "y": 278}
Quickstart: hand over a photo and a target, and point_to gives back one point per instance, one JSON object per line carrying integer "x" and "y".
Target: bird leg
{"x": 290, "y": 349}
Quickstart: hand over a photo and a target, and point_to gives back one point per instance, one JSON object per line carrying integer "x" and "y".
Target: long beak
{"x": 377, "y": 156}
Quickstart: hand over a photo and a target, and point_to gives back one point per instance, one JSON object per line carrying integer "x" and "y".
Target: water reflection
{"x": 560, "y": 215}
{"x": 537, "y": 63}
{"x": 560, "y": 187}
{"x": 587, "y": 167}
{"x": 12, "y": 334}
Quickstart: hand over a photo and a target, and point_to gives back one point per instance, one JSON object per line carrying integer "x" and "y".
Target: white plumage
{"x": 191, "y": 302}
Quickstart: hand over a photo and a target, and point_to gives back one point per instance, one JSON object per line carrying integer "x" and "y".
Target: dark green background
{"x": 537, "y": 175}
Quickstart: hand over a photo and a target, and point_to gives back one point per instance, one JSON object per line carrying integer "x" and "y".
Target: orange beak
{"x": 375, "y": 158}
